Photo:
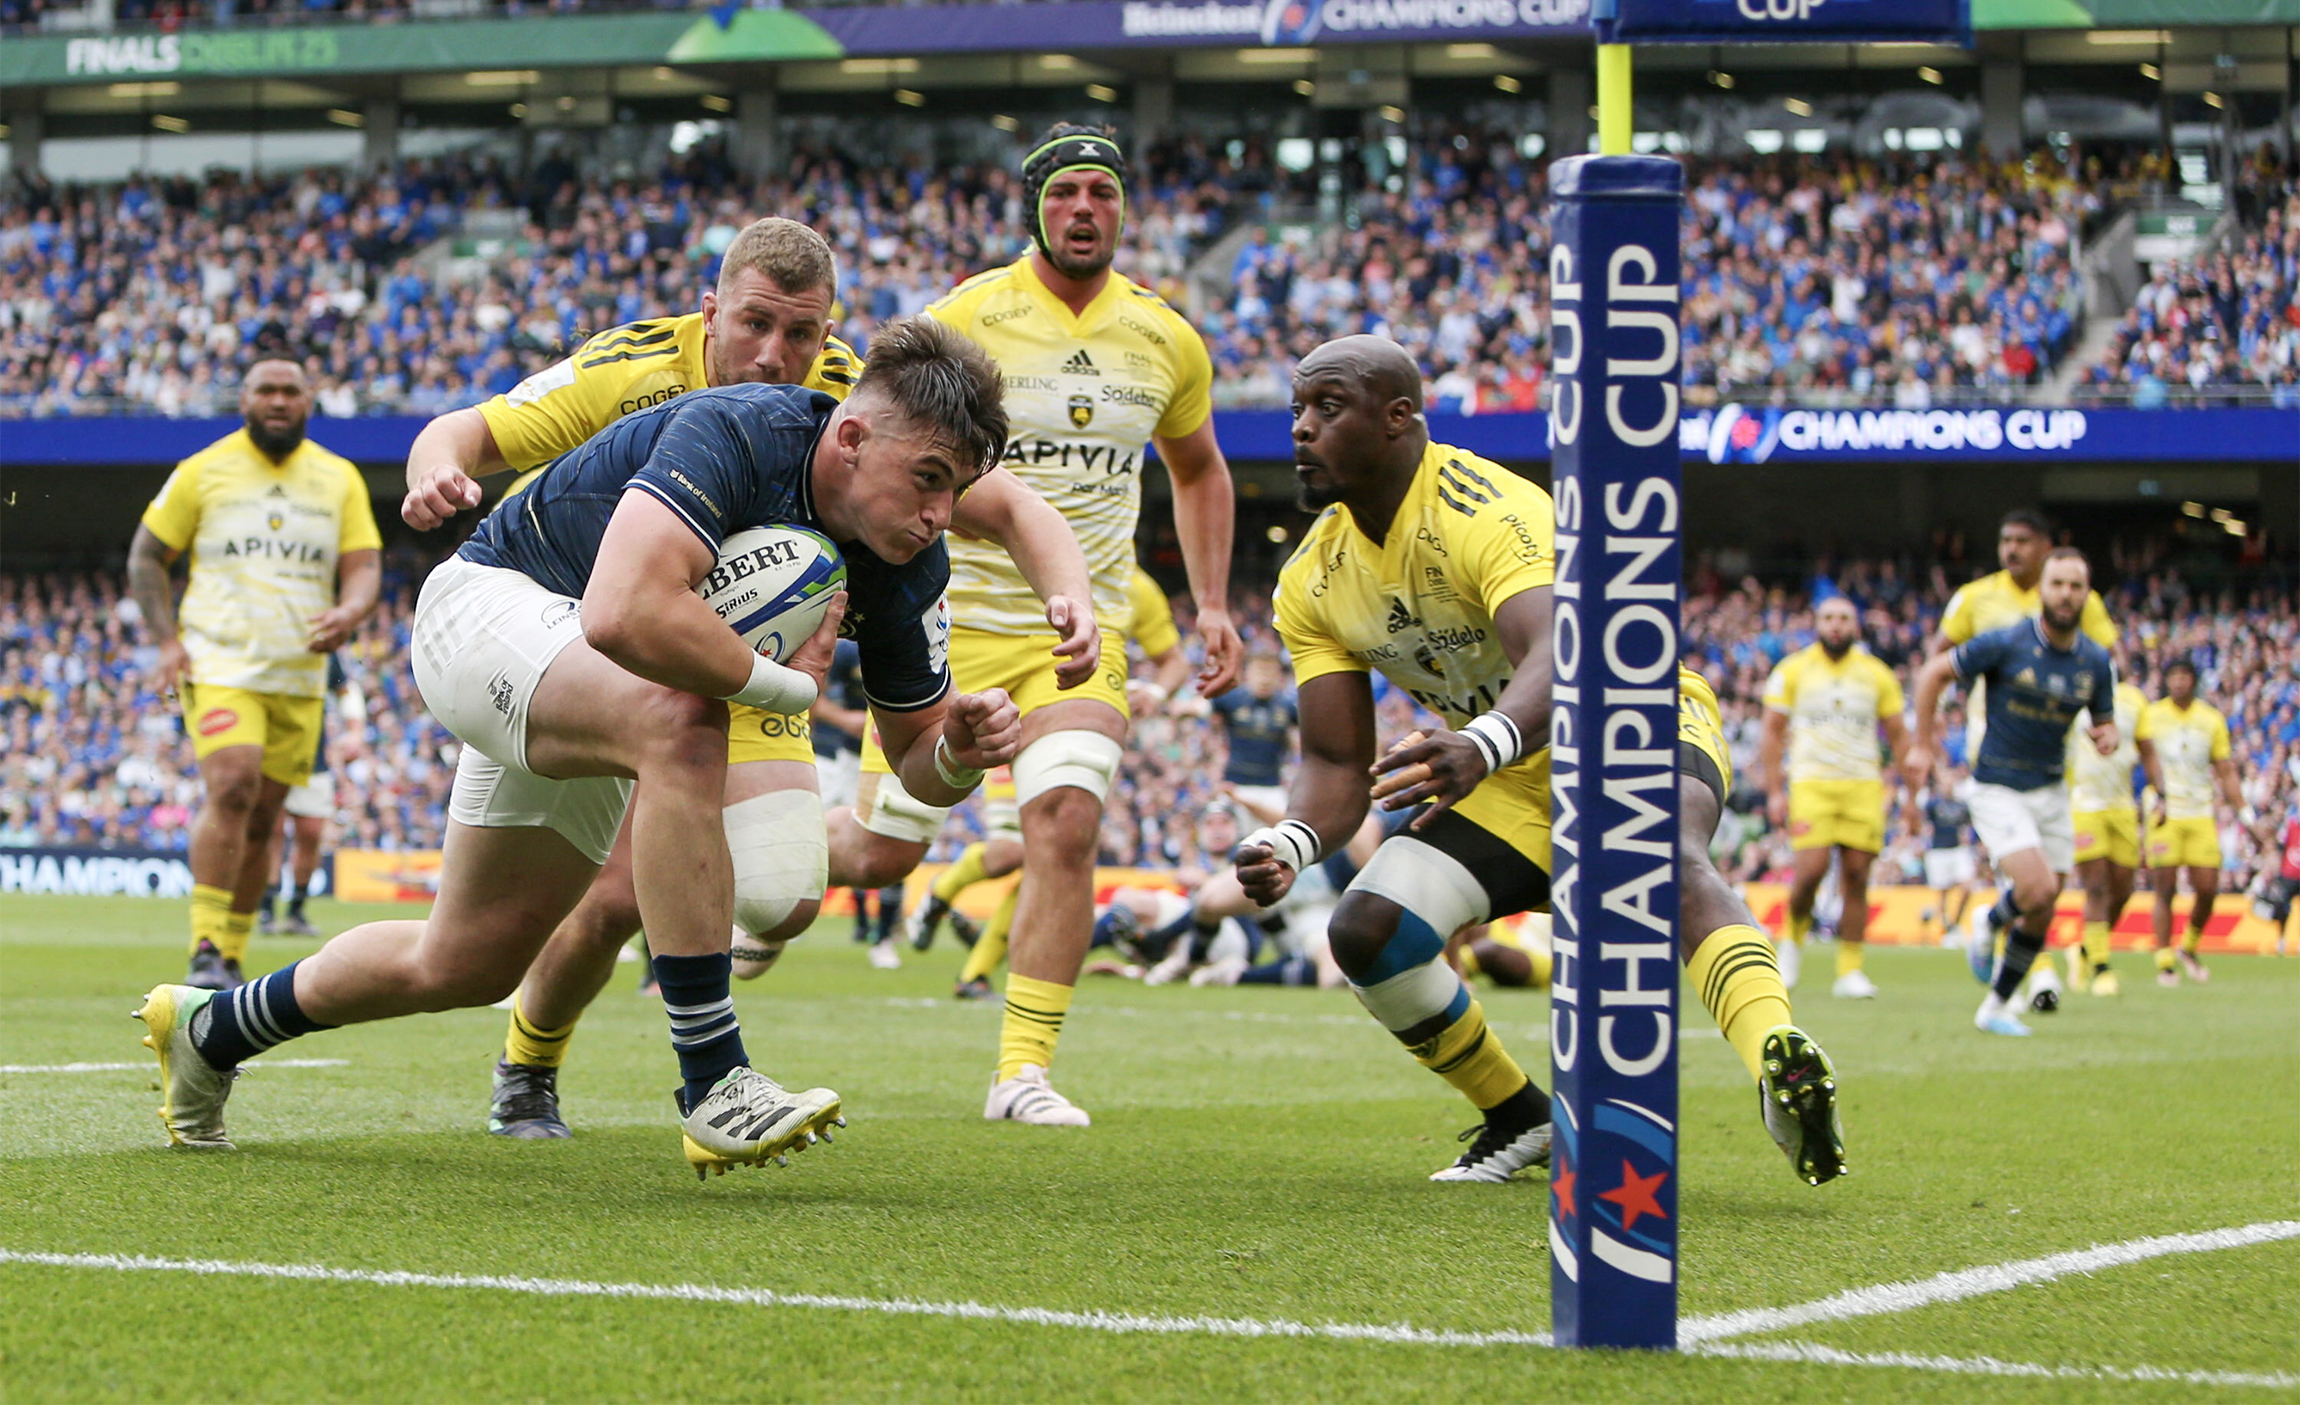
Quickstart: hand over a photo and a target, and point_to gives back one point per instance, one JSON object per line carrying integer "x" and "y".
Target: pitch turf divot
{"x": 1973, "y": 1282}
{"x": 145, "y": 1065}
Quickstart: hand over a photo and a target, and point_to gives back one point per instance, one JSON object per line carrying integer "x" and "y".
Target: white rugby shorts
{"x": 1948, "y": 868}
{"x": 2009, "y": 821}
{"x": 482, "y": 640}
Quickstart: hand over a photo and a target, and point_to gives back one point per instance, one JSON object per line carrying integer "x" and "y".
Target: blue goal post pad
{"x": 1947, "y": 22}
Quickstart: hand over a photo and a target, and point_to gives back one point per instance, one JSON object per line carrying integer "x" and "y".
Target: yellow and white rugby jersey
{"x": 2187, "y": 743}
{"x": 1084, "y": 396}
{"x": 1994, "y": 601}
{"x": 2097, "y": 782}
{"x": 265, "y": 539}
{"x": 1834, "y": 707}
{"x": 1419, "y": 605}
{"x": 1151, "y": 624}
{"x": 628, "y": 368}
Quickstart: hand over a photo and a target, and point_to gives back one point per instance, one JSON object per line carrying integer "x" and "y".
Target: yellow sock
{"x": 2165, "y": 960}
{"x": 2095, "y": 945}
{"x": 990, "y": 947}
{"x": 1034, "y": 1011}
{"x": 238, "y": 927}
{"x": 211, "y": 912}
{"x": 529, "y": 1043}
{"x": 1849, "y": 956}
{"x": 1469, "y": 1055}
{"x": 1739, "y": 980}
{"x": 2192, "y": 943}
{"x": 1800, "y": 927}
{"x": 964, "y": 872}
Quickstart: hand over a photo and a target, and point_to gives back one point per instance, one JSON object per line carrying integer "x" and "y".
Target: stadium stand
{"x": 95, "y": 760}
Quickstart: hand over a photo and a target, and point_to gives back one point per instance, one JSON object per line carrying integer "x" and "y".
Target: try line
{"x": 1702, "y": 1336}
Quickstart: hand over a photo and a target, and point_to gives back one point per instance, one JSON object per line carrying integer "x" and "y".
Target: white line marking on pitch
{"x": 1699, "y": 1336}
{"x": 148, "y": 1066}
{"x": 1122, "y": 1322}
{"x": 1972, "y": 1282}
{"x": 1807, "y": 1354}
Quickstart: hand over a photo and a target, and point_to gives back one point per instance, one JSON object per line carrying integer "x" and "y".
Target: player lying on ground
{"x": 565, "y": 646}
{"x": 1435, "y": 567}
{"x": 766, "y": 322}
{"x": 2038, "y": 675}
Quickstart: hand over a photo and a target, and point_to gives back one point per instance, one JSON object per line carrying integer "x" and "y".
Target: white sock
{"x": 1992, "y": 1008}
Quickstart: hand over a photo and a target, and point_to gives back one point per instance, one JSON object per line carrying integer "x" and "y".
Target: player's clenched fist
{"x": 442, "y": 491}
{"x": 982, "y": 729}
{"x": 1262, "y": 874}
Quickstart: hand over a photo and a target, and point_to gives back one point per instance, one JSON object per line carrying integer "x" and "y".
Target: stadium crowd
{"x": 96, "y": 759}
{"x": 1822, "y": 276}
{"x": 2200, "y": 328}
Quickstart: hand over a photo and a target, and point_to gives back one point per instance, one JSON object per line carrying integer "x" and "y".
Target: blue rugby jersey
{"x": 1257, "y": 729}
{"x": 2034, "y": 693}
{"x": 724, "y": 461}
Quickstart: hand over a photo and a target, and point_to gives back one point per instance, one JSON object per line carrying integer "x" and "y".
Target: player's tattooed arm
{"x": 1442, "y": 767}
{"x": 1328, "y": 799}
{"x": 149, "y": 560}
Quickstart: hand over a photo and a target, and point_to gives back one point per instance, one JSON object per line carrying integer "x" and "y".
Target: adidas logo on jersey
{"x": 276, "y": 492}
{"x": 1081, "y": 364}
{"x": 1400, "y": 617}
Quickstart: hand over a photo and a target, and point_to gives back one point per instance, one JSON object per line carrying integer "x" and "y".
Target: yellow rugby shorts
{"x": 2113, "y": 835}
{"x": 286, "y": 727}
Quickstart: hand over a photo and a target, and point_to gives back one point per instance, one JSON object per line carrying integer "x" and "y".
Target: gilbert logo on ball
{"x": 772, "y": 585}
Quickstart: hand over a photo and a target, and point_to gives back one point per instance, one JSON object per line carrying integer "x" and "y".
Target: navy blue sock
{"x": 1105, "y": 930}
{"x": 889, "y": 910}
{"x": 2021, "y": 948}
{"x": 239, "y": 1024}
{"x": 862, "y": 914}
{"x": 1292, "y": 970}
{"x": 2006, "y": 912}
{"x": 1160, "y": 940}
{"x": 703, "y": 1026}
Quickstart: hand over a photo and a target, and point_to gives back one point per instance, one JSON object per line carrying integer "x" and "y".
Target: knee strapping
{"x": 1087, "y": 760}
{"x": 896, "y": 814}
{"x": 781, "y": 857}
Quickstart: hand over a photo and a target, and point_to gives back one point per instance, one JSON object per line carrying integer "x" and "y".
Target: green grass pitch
{"x": 1256, "y": 1154}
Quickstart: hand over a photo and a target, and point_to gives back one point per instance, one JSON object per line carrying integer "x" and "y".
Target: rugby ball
{"x": 772, "y": 586}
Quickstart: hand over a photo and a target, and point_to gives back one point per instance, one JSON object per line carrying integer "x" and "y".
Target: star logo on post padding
{"x": 1562, "y": 1188}
{"x": 1635, "y": 1195}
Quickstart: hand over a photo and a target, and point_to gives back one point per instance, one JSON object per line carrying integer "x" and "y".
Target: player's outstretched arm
{"x": 149, "y": 560}
{"x": 641, "y": 611}
{"x": 1205, "y": 515}
{"x": 1000, "y": 508}
{"x": 1329, "y": 796}
{"x": 1443, "y": 767}
{"x": 449, "y": 456}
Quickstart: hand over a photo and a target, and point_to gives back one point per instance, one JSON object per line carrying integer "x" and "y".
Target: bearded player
{"x": 766, "y": 321}
{"x": 1094, "y": 367}
{"x": 1436, "y": 566}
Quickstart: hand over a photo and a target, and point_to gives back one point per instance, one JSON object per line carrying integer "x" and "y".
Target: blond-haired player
{"x": 2184, "y": 749}
{"x": 767, "y": 320}
{"x": 286, "y": 562}
{"x": 1096, "y": 367}
{"x": 1435, "y": 567}
{"x": 2107, "y": 824}
{"x": 1826, "y": 701}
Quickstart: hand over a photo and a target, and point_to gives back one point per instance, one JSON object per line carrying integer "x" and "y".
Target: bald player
{"x": 285, "y": 564}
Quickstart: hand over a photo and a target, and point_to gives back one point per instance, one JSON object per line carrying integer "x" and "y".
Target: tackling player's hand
{"x": 1081, "y": 646}
{"x": 442, "y": 491}
{"x": 1260, "y": 873}
{"x": 1440, "y": 767}
{"x": 813, "y": 658}
{"x": 1225, "y": 651}
{"x": 330, "y": 629}
{"x": 982, "y": 729}
{"x": 175, "y": 663}
{"x": 2104, "y": 739}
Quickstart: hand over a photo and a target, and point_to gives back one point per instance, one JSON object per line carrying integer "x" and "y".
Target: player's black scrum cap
{"x": 1067, "y": 146}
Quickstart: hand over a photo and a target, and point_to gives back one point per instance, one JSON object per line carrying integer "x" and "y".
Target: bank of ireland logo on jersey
{"x": 1613, "y": 752}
